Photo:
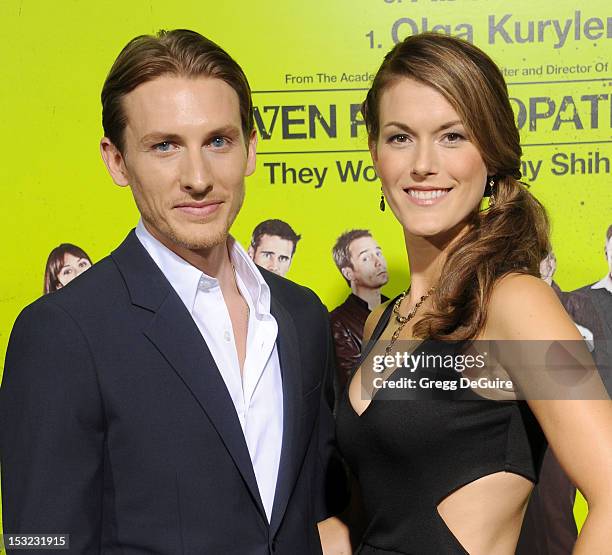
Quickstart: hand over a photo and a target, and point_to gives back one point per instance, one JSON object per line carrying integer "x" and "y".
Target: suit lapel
{"x": 176, "y": 336}
{"x": 293, "y": 442}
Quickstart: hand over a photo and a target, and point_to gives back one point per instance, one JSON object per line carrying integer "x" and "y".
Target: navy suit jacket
{"x": 117, "y": 428}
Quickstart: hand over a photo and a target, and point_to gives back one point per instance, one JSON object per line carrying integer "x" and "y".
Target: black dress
{"x": 408, "y": 455}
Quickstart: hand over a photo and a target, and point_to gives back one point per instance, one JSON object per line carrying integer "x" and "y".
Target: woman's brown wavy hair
{"x": 512, "y": 235}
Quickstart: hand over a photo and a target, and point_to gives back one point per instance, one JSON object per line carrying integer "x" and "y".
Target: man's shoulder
{"x": 63, "y": 314}
{"x": 340, "y": 308}
{"x": 584, "y": 290}
{"x": 94, "y": 285}
{"x": 586, "y": 296}
{"x": 587, "y": 306}
{"x": 339, "y": 314}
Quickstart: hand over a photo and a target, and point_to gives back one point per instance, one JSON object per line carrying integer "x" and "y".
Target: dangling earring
{"x": 491, "y": 193}
{"x": 382, "y": 200}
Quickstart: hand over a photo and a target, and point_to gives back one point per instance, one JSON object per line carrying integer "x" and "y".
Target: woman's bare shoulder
{"x": 523, "y": 306}
{"x": 516, "y": 287}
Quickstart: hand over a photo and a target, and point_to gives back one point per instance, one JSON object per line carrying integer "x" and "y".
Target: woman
{"x": 64, "y": 263}
{"x": 454, "y": 476}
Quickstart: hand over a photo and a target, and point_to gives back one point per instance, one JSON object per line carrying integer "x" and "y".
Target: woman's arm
{"x": 579, "y": 431}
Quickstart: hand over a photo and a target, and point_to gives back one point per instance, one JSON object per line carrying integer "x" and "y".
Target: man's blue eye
{"x": 218, "y": 142}
{"x": 163, "y": 147}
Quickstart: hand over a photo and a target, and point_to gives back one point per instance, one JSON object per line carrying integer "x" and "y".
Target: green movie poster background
{"x": 308, "y": 63}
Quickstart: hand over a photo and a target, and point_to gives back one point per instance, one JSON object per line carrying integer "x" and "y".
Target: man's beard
{"x": 211, "y": 234}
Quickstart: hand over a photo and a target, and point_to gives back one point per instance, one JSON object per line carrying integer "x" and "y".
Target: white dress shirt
{"x": 258, "y": 394}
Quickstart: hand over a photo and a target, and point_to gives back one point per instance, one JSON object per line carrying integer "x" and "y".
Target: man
{"x": 363, "y": 266}
{"x": 591, "y": 307}
{"x": 273, "y": 245}
{"x": 172, "y": 399}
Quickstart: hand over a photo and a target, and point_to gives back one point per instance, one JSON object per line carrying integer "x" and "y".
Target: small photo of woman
{"x": 64, "y": 263}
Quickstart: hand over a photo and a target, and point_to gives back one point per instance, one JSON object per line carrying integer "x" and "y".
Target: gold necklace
{"x": 403, "y": 320}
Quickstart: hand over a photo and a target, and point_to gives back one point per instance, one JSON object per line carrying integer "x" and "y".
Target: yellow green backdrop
{"x": 301, "y": 58}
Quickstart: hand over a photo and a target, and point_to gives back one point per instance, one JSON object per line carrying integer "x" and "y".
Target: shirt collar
{"x": 251, "y": 277}
{"x": 187, "y": 279}
{"x": 605, "y": 283}
{"x": 358, "y": 301}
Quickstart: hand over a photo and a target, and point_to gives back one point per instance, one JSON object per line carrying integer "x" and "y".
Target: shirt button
{"x": 227, "y": 336}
